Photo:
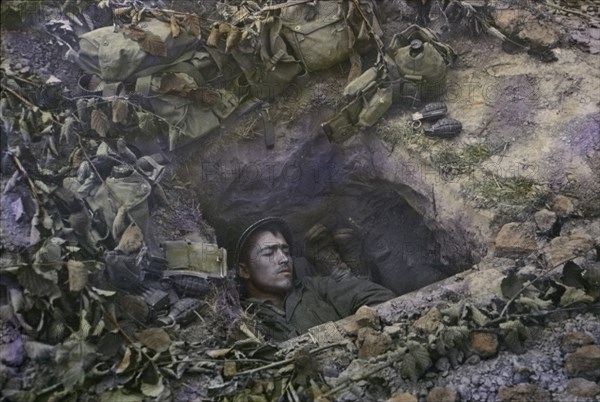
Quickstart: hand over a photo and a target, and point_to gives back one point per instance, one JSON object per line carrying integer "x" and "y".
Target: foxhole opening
{"x": 319, "y": 183}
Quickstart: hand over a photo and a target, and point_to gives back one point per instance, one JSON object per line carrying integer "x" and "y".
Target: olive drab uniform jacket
{"x": 314, "y": 301}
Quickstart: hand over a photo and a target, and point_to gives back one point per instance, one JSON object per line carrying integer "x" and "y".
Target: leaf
{"x": 78, "y": 275}
{"x": 146, "y": 123}
{"x": 452, "y": 337}
{"x": 120, "y": 11}
{"x": 153, "y": 44}
{"x": 18, "y": 396}
{"x": 67, "y": 132}
{"x": 124, "y": 364}
{"x": 134, "y": 307}
{"x": 218, "y": 353}
{"x": 178, "y": 83}
{"x": 134, "y": 33}
{"x": 513, "y": 342}
{"x": 73, "y": 377}
{"x": 573, "y": 295}
{"x": 191, "y": 23}
{"x": 409, "y": 367}
{"x": 515, "y": 335}
{"x": 572, "y": 275}
{"x": 175, "y": 29}
{"x": 453, "y": 312}
{"x": 534, "y": 303}
{"x": 478, "y": 317}
{"x": 100, "y": 123}
{"x": 119, "y": 111}
{"x": 84, "y": 327}
{"x": 103, "y": 292}
{"x": 153, "y": 390}
{"x": 36, "y": 284}
{"x": 233, "y": 39}
{"x": 213, "y": 37}
{"x": 131, "y": 240}
{"x": 156, "y": 339}
{"x": 99, "y": 328}
{"x": 118, "y": 396}
{"x": 421, "y": 355}
{"x": 511, "y": 285}
{"x": 39, "y": 352}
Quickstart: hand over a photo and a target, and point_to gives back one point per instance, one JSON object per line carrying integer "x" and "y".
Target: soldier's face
{"x": 268, "y": 267}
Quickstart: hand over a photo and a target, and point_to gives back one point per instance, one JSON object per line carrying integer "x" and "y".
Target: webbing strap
{"x": 143, "y": 84}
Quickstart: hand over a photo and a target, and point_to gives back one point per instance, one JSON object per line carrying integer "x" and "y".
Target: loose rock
{"x": 485, "y": 344}
{"x": 364, "y": 317}
{"x": 523, "y": 25}
{"x": 515, "y": 240}
{"x": 371, "y": 343}
{"x": 582, "y": 387}
{"x": 563, "y": 206}
{"x": 545, "y": 221}
{"x": 13, "y": 353}
{"x": 574, "y": 340}
{"x": 404, "y": 397}
{"x": 392, "y": 330}
{"x": 443, "y": 364}
{"x": 564, "y": 248}
{"x": 584, "y": 362}
{"x": 430, "y": 322}
{"x": 522, "y": 393}
{"x": 442, "y": 394}
{"x": 229, "y": 369}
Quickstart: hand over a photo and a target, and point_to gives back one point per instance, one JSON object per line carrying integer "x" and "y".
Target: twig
{"x": 20, "y": 97}
{"x": 543, "y": 313}
{"x": 366, "y": 374}
{"x": 485, "y": 127}
{"x": 324, "y": 347}
{"x": 568, "y": 10}
{"x": 28, "y": 103}
{"x": 512, "y": 299}
{"x": 30, "y": 183}
{"x": 268, "y": 366}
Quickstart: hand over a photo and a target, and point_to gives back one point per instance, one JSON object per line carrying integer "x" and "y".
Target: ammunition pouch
{"x": 105, "y": 198}
{"x": 369, "y": 100}
{"x": 271, "y": 69}
{"x": 192, "y": 266}
{"x": 203, "y": 258}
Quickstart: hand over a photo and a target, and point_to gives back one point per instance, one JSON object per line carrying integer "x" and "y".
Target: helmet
{"x": 279, "y": 223}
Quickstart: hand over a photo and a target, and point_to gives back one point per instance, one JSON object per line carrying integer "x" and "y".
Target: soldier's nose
{"x": 282, "y": 257}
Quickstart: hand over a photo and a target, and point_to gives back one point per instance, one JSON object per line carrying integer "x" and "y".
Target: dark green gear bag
{"x": 152, "y": 71}
{"x": 325, "y": 33}
{"x": 268, "y": 67}
{"x": 112, "y": 56}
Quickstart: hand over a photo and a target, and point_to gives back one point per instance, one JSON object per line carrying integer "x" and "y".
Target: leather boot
{"x": 348, "y": 245}
{"x": 320, "y": 252}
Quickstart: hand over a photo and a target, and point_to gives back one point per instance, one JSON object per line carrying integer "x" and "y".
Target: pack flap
{"x": 114, "y": 57}
{"x": 307, "y": 28}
